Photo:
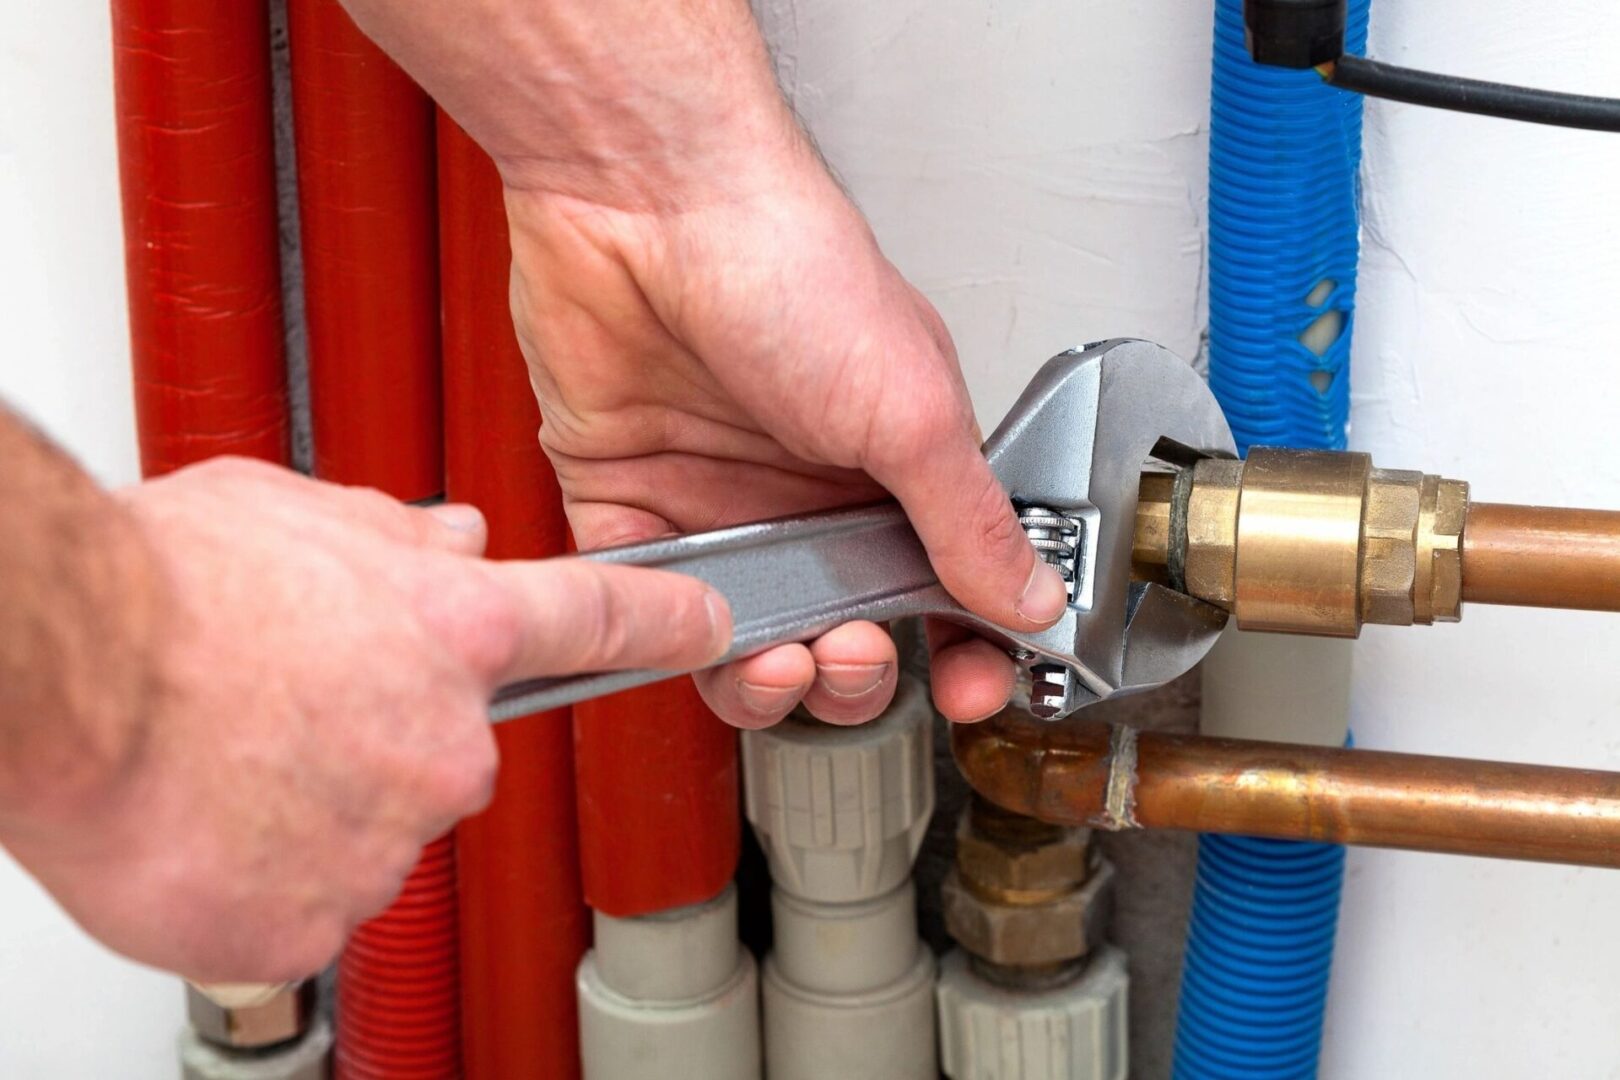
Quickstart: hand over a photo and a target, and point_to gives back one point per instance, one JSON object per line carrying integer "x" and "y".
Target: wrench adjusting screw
{"x": 1056, "y": 537}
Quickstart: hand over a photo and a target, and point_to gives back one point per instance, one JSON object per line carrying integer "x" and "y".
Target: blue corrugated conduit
{"x": 1284, "y": 153}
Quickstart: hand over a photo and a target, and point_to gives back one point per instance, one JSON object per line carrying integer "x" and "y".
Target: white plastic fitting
{"x": 1076, "y": 1031}
{"x": 849, "y": 991}
{"x": 670, "y": 995}
{"x": 841, "y": 811}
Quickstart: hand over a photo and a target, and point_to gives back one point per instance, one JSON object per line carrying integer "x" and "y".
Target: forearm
{"x": 614, "y": 101}
{"x": 78, "y": 630}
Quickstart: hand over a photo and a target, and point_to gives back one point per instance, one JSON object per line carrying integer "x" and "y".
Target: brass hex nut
{"x": 1020, "y": 935}
{"x": 1440, "y": 529}
{"x": 1210, "y": 563}
{"x": 279, "y": 1018}
{"x": 1027, "y": 873}
{"x": 1389, "y": 527}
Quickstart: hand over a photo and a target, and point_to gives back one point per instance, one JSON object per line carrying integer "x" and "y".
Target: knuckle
{"x": 388, "y": 512}
{"x": 481, "y": 622}
{"x": 496, "y": 634}
{"x": 463, "y": 780}
{"x": 323, "y": 940}
{"x": 603, "y": 629}
{"x": 913, "y": 436}
{"x": 234, "y": 468}
{"x": 996, "y": 527}
{"x": 379, "y": 885}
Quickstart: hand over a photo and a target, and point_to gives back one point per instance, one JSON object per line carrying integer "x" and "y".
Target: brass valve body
{"x": 1308, "y": 542}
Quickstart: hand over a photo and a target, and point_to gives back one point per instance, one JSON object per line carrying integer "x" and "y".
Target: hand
{"x": 711, "y": 329}
{"x": 318, "y": 712}
{"x": 752, "y": 358}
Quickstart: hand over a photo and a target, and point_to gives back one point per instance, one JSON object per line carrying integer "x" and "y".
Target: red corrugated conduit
{"x": 367, "y": 213}
{"x": 523, "y": 924}
{"x": 196, "y": 158}
{"x": 397, "y": 1010}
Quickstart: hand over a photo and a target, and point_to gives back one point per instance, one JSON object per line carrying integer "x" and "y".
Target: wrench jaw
{"x": 1075, "y": 444}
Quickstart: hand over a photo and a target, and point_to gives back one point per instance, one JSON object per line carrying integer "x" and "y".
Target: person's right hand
{"x": 317, "y": 712}
{"x": 712, "y": 332}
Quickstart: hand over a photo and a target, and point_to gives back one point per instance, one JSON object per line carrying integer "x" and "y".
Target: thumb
{"x": 967, "y": 522}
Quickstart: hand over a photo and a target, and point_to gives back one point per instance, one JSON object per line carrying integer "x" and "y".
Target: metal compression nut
{"x": 276, "y": 1019}
{"x": 1011, "y": 859}
{"x": 1062, "y": 928}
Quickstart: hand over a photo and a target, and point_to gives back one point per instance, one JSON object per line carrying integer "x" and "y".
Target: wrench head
{"x": 1077, "y": 442}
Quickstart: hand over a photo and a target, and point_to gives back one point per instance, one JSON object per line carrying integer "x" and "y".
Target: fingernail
{"x": 719, "y": 623}
{"x": 461, "y": 517}
{"x": 1045, "y": 595}
{"x": 768, "y": 700}
{"x": 851, "y": 680}
{"x": 982, "y": 719}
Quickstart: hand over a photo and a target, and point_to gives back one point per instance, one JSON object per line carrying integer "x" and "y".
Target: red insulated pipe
{"x": 366, "y": 168}
{"x": 659, "y": 824}
{"x": 368, "y": 216}
{"x": 524, "y": 925}
{"x": 196, "y": 157}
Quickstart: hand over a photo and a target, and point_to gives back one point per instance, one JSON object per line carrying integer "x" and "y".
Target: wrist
{"x": 613, "y": 102}
{"x": 80, "y": 664}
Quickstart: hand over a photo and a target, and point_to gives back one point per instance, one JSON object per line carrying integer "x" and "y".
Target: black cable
{"x": 1374, "y": 79}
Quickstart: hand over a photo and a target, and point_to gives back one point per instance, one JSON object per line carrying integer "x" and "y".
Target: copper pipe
{"x": 1538, "y": 556}
{"x": 1115, "y": 777}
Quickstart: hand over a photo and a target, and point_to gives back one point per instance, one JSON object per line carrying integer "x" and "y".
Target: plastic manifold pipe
{"x": 1284, "y": 154}
{"x": 524, "y": 925}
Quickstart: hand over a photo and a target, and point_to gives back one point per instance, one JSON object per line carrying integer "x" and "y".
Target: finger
{"x": 464, "y": 530}
{"x": 458, "y": 528}
{"x": 856, "y": 673}
{"x": 453, "y": 527}
{"x": 598, "y": 525}
{"x": 759, "y": 691}
{"x": 564, "y": 616}
{"x": 965, "y": 519}
{"x": 972, "y": 679}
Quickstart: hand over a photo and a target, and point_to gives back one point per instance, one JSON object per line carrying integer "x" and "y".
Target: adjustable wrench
{"x": 1071, "y": 455}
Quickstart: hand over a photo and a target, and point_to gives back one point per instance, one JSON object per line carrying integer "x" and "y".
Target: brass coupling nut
{"x": 250, "y": 1017}
{"x": 1025, "y": 894}
{"x": 1314, "y": 542}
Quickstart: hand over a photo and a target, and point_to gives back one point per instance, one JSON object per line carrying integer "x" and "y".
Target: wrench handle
{"x": 792, "y": 579}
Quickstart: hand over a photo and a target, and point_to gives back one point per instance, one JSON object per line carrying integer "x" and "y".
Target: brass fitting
{"x": 1025, "y": 897}
{"x": 1308, "y": 542}
{"x": 251, "y": 1021}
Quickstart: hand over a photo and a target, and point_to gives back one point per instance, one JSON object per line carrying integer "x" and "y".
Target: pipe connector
{"x": 1309, "y": 542}
{"x": 251, "y": 1018}
{"x": 1028, "y": 900}
{"x": 841, "y": 811}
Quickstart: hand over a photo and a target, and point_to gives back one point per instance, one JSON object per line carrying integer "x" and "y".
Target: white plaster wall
{"x": 1038, "y": 169}
{"x": 70, "y": 1008}
{"x": 64, "y": 341}
{"x": 1486, "y": 349}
